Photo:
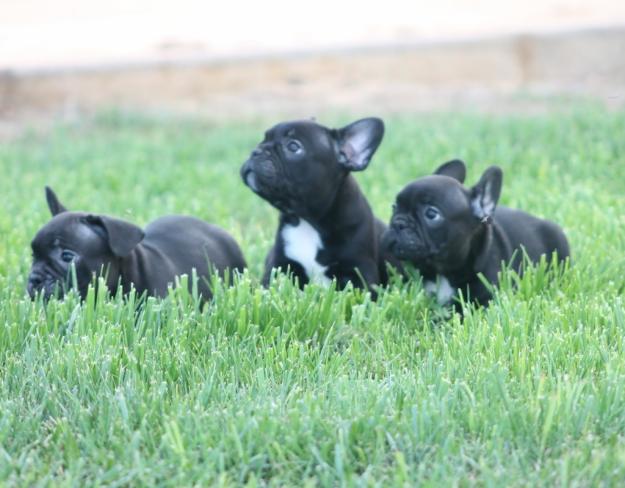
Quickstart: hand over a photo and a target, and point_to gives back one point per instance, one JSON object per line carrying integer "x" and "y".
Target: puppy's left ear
{"x": 455, "y": 169}
{"x": 358, "y": 141}
{"x": 485, "y": 194}
{"x": 55, "y": 206}
{"x": 122, "y": 236}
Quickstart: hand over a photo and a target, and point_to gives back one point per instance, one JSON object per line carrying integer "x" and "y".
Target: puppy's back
{"x": 537, "y": 236}
{"x": 193, "y": 243}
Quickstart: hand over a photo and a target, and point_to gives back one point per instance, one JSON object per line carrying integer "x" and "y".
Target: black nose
{"x": 245, "y": 169}
{"x": 399, "y": 226}
{"x": 34, "y": 282}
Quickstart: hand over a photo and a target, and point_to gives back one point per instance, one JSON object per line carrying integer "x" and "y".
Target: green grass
{"x": 283, "y": 387}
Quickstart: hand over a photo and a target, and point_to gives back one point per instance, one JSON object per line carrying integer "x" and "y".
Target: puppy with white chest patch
{"x": 452, "y": 234}
{"x": 326, "y": 229}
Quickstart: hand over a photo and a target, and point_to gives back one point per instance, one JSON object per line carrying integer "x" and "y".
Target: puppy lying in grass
{"x": 452, "y": 233}
{"x": 127, "y": 256}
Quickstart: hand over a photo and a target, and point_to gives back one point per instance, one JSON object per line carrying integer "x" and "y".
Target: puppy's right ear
{"x": 454, "y": 169}
{"x": 485, "y": 194}
{"x": 54, "y": 205}
{"x": 358, "y": 141}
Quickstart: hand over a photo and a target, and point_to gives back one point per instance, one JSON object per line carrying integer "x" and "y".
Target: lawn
{"x": 284, "y": 387}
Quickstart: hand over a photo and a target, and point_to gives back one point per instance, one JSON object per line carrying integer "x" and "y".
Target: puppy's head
{"x": 435, "y": 218}
{"x": 91, "y": 244}
{"x": 299, "y": 166}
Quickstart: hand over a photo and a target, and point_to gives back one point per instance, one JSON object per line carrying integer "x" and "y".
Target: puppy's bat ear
{"x": 358, "y": 141}
{"x": 54, "y": 205}
{"x": 122, "y": 236}
{"x": 485, "y": 194}
{"x": 454, "y": 169}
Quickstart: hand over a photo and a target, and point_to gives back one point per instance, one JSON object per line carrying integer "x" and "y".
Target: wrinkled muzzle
{"x": 264, "y": 178}
{"x": 46, "y": 282}
{"x": 260, "y": 175}
{"x": 406, "y": 242}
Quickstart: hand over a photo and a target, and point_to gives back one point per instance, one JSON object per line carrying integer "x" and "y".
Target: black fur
{"x": 304, "y": 170}
{"x": 447, "y": 230}
{"x": 147, "y": 259}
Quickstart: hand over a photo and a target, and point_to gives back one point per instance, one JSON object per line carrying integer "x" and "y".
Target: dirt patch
{"x": 517, "y": 73}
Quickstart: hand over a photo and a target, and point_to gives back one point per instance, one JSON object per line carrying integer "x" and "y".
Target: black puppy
{"x": 451, "y": 233}
{"x": 326, "y": 229}
{"x": 149, "y": 260}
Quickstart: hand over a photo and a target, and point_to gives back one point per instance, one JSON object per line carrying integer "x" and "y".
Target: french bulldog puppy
{"x": 125, "y": 254}
{"x": 326, "y": 228}
{"x": 451, "y": 233}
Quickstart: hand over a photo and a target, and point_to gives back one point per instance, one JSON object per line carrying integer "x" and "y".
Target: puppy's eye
{"x": 294, "y": 146}
{"x": 68, "y": 256}
{"x": 432, "y": 213}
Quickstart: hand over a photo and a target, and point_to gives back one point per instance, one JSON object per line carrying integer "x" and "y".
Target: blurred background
{"x": 63, "y": 59}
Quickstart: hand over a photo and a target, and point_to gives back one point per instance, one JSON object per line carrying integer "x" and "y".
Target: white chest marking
{"x": 441, "y": 288}
{"x": 301, "y": 244}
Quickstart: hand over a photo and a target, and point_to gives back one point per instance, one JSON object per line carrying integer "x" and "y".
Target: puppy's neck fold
{"x": 479, "y": 255}
{"x": 491, "y": 245}
{"x": 134, "y": 270}
{"x": 347, "y": 209}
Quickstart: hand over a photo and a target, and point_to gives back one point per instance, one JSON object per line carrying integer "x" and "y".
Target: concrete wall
{"x": 410, "y": 77}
